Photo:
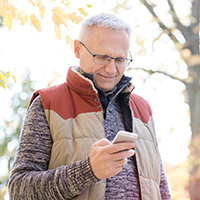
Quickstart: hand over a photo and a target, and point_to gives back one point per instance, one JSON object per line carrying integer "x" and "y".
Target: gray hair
{"x": 105, "y": 20}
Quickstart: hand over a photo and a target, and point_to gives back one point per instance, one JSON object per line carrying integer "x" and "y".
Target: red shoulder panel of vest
{"x": 140, "y": 107}
{"x": 66, "y": 102}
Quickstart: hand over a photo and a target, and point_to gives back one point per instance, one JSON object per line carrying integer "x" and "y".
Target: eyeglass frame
{"x": 109, "y": 57}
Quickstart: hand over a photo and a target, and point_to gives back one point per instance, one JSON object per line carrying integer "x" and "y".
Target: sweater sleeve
{"x": 164, "y": 188}
{"x": 30, "y": 177}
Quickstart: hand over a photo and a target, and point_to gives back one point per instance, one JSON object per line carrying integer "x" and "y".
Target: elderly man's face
{"x": 102, "y": 41}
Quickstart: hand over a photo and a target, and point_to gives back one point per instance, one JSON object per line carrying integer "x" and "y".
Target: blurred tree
{"x": 189, "y": 50}
{"x": 12, "y": 127}
{"x": 178, "y": 179}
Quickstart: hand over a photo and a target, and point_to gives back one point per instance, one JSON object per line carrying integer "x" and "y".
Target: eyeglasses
{"x": 104, "y": 59}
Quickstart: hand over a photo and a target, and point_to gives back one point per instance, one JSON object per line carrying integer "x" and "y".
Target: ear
{"x": 77, "y": 48}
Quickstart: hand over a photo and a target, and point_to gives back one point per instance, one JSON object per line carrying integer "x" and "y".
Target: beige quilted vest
{"x": 73, "y": 137}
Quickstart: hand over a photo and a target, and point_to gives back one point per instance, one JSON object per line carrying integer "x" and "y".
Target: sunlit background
{"x": 48, "y": 59}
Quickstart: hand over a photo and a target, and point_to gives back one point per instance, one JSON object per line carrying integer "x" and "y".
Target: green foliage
{"x": 12, "y": 127}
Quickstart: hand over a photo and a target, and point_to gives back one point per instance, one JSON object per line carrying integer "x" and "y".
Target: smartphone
{"x": 125, "y": 136}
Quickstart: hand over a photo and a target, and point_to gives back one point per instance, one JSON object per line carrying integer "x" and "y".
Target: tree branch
{"x": 194, "y": 27}
{"x": 161, "y": 24}
{"x": 195, "y": 11}
{"x": 149, "y": 71}
{"x": 183, "y": 29}
{"x": 190, "y": 33}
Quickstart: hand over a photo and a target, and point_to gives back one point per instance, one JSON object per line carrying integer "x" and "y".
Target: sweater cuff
{"x": 84, "y": 170}
{"x": 90, "y": 170}
{"x": 81, "y": 175}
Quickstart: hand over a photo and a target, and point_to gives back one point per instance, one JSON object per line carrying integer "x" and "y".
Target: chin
{"x": 107, "y": 89}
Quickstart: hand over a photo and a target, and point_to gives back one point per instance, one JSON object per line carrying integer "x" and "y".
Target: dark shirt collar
{"x": 122, "y": 83}
{"x": 105, "y": 98}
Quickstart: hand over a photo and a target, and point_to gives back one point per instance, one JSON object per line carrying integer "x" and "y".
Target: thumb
{"x": 102, "y": 142}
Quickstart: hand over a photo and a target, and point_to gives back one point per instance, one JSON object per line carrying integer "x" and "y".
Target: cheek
{"x": 120, "y": 70}
{"x": 120, "y": 73}
{"x": 86, "y": 64}
{"x": 95, "y": 68}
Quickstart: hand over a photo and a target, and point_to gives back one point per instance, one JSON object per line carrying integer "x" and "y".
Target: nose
{"x": 111, "y": 67}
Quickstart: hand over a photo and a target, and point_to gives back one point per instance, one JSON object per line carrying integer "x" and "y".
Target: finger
{"x": 116, "y": 171}
{"x": 102, "y": 142}
{"x": 123, "y": 154}
{"x": 120, "y": 163}
{"x": 120, "y": 147}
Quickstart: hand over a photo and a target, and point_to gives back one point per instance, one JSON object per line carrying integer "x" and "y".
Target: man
{"x": 65, "y": 150}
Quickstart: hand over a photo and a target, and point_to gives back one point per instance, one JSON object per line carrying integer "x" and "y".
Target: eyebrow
{"x": 111, "y": 56}
{"x": 105, "y": 54}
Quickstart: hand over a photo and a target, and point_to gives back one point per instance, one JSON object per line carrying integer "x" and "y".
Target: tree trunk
{"x": 194, "y": 180}
{"x": 193, "y": 90}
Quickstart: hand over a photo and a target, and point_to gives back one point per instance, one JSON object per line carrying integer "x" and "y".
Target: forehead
{"x": 96, "y": 32}
{"x": 106, "y": 41}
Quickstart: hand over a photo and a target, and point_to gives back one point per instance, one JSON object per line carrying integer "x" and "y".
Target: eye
{"x": 120, "y": 60}
{"x": 102, "y": 58}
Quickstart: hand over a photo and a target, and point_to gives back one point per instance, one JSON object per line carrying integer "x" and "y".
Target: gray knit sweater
{"x": 31, "y": 179}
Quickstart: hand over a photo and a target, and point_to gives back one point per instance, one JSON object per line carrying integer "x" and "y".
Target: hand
{"x": 107, "y": 159}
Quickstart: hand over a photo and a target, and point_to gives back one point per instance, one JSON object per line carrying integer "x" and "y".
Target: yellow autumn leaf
{"x": 55, "y": 75}
{"x": 59, "y": 16}
{"x": 3, "y": 7}
{"x": 69, "y": 41}
{"x": 41, "y": 8}
{"x": 7, "y": 20}
{"x": 74, "y": 18}
{"x": 3, "y": 76}
{"x": 59, "y": 11}
{"x": 57, "y": 31}
{"x": 35, "y": 22}
{"x": 13, "y": 11}
{"x": 23, "y": 17}
{"x": 57, "y": 19}
{"x": 10, "y": 76}
{"x": 66, "y": 3}
{"x": 2, "y": 84}
{"x": 82, "y": 11}
{"x": 31, "y": 1}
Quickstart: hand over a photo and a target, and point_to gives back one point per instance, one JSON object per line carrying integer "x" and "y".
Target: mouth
{"x": 107, "y": 77}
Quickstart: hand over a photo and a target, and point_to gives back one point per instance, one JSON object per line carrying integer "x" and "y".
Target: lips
{"x": 107, "y": 77}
